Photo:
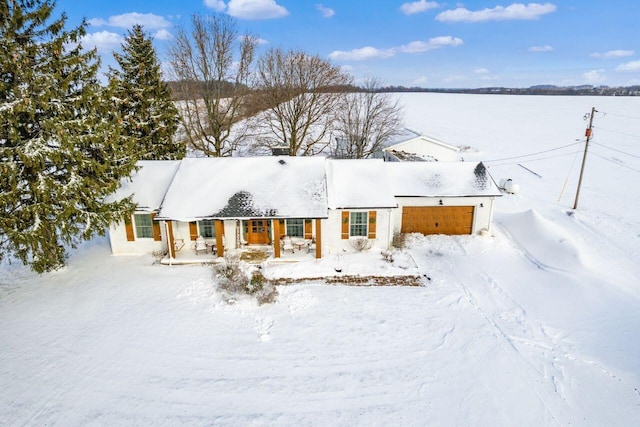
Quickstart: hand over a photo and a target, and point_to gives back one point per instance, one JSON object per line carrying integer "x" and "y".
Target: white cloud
{"x": 481, "y": 71}
{"x": 545, "y": 48}
{"x": 104, "y": 41}
{"x": 433, "y": 43}
{"x": 418, "y": 7}
{"x": 618, "y": 53}
{"x": 256, "y": 9}
{"x": 258, "y": 40}
{"x": 417, "y": 46}
{"x": 515, "y": 11}
{"x": 421, "y": 80}
{"x": 128, "y": 20}
{"x": 97, "y": 22}
{"x": 347, "y": 69}
{"x": 594, "y": 76}
{"x": 325, "y": 11}
{"x": 361, "y": 54}
{"x": 217, "y": 5}
{"x": 163, "y": 35}
{"x": 629, "y": 66}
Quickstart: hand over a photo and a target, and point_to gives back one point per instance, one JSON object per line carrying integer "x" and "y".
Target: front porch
{"x": 203, "y": 241}
{"x": 252, "y": 254}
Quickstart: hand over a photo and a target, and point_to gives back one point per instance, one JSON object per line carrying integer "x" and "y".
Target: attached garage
{"x": 442, "y": 197}
{"x": 437, "y": 219}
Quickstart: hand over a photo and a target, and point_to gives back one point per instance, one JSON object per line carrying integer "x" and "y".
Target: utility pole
{"x": 584, "y": 157}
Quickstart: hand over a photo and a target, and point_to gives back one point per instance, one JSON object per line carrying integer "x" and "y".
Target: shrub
{"x": 398, "y": 240}
{"x": 387, "y": 255}
{"x": 233, "y": 281}
{"x": 231, "y": 278}
{"x": 261, "y": 288}
{"x": 360, "y": 244}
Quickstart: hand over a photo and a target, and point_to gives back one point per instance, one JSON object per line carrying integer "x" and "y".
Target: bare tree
{"x": 300, "y": 95}
{"x": 212, "y": 66}
{"x": 368, "y": 118}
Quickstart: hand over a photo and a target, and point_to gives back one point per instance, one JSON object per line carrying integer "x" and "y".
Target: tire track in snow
{"x": 534, "y": 334}
{"x": 507, "y": 343}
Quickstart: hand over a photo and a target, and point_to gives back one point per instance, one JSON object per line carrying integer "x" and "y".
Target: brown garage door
{"x": 437, "y": 219}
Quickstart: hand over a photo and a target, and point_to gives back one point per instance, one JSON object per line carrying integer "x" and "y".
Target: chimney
{"x": 282, "y": 150}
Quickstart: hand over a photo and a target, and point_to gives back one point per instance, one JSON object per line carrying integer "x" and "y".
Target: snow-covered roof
{"x": 247, "y": 187}
{"x": 358, "y": 184}
{"x": 440, "y": 179}
{"x": 292, "y": 187}
{"x": 148, "y": 185}
{"x": 421, "y": 139}
{"x": 401, "y": 135}
{"x": 421, "y": 145}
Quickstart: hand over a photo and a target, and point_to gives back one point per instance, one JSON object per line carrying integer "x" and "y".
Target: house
{"x": 421, "y": 148}
{"x": 327, "y": 206}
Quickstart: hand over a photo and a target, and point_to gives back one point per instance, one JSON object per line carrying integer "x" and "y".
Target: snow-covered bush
{"x": 398, "y": 240}
{"x": 387, "y": 255}
{"x": 261, "y": 288}
{"x": 360, "y": 244}
{"x": 231, "y": 278}
{"x": 234, "y": 280}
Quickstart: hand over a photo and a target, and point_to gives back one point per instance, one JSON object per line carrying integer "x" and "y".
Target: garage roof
{"x": 440, "y": 179}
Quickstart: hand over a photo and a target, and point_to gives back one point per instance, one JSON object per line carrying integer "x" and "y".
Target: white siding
{"x": 332, "y": 242}
{"x": 140, "y": 246}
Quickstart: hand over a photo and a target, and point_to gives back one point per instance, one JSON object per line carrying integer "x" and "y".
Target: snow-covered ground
{"x": 538, "y": 324}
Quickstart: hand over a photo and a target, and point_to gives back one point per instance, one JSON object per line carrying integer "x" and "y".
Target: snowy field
{"x": 538, "y": 324}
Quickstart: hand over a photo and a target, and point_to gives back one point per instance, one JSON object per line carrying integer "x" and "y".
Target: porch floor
{"x": 253, "y": 254}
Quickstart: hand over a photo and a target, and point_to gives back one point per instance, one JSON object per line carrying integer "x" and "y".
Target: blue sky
{"x": 409, "y": 43}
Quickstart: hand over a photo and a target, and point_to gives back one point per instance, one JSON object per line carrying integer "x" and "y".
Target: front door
{"x": 258, "y": 232}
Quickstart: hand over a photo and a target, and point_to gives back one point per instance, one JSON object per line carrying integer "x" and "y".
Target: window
{"x": 295, "y": 227}
{"x": 358, "y": 224}
{"x": 144, "y": 225}
{"x": 206, "y": 228}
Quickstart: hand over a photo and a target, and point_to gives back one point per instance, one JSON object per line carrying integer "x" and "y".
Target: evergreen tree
{"x": 61, "y": 148}
{"x": 144, "y": 100}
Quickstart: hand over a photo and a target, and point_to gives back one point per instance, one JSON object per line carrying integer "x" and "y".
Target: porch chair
{"x": 201, "y": 245}
{"x": 287, "y": 244}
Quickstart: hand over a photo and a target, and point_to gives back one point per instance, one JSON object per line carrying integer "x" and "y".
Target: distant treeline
{"x": 586, "y": 90}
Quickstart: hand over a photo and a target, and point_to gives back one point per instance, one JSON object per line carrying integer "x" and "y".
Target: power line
{"x": 532, "y": 154}
{"x": 620, "y": 115}
{"x": 619, "y": 133}
{"x": 536, "y": 160}
{"x": 619, "y": 151}
{"x": 615, "y": 163}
